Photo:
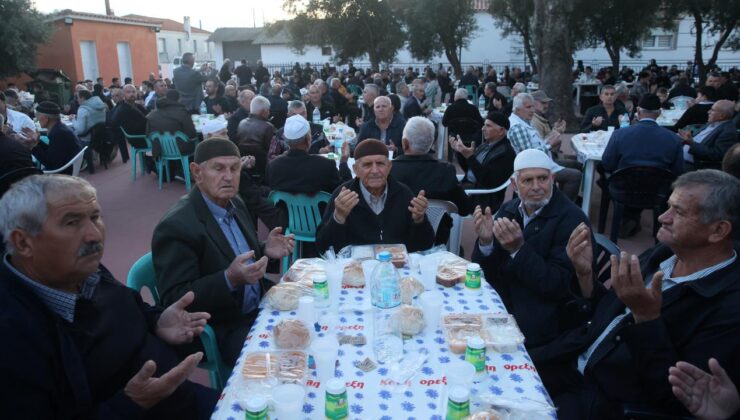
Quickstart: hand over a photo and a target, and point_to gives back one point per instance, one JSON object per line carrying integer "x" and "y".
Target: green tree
{"x": 353, "y": 28}
{"x": 516, "y": 17}
{"x": 714, "y": 17}
{"x": 22, "y": 30}
{"x": 617, "y": 25}
{"x": 438, "y": 26}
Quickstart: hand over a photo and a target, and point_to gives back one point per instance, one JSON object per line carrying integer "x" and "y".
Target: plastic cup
{"x": 287, "y": 401}
{"x": 415, "y": 263}
{"x": 460, "y": 373}
{"x": 431, "y": 305}
{"x": 387, "y": 340}
{"x": 306, "y": 311}
{"x": 334, "y": 273}
{"x": 325, "y": 351}
{"x": 367, "y": 269}
{"x": 428, "y": 266}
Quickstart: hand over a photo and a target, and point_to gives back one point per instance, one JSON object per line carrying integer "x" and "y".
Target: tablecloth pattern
{"x": 370, "y": 394}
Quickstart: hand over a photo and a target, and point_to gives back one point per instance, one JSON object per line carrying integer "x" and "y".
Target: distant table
{"x": 589, "y": 148}
{"x": 579, "y": 85}
{"x": 669, "y": 117}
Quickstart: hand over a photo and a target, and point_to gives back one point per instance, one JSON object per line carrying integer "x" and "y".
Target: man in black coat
{"x": 604, "y": 115}
{"x": 245, "y": 100}
{"x": 171, "y": 116}
{"x": 706, "y": 149}
{"x": 207, "y": 244}
{"x": 374, "y": 208}
{"x": 63, "y": 142}
{"x": 522, "y": 250}
{"x": 129, "y": 115}
{"x": 681, "y": 303}
{"x": 297, "y": 171}
{"x": 387, "y": 126}
{"x": 490, "y": 164}
{"x": 244, "y": 73}
{"x": 463, "y": 119}
{"x": 414, "y": 106}
{"x": 419, "y": 170}
{"x": 77, "y": 343}
{"x": 698, "y": 113}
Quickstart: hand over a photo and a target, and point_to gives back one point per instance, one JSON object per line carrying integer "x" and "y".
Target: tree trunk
{"x": 698, "y": 58}
{"x": 614, "y": 56}
{"x": 527, "y": 41}
{"x": 555, "y": 51}
{"x": 451, "y": 54}
{"x": 718, "y": 46}
{"x": 374, "y": 61}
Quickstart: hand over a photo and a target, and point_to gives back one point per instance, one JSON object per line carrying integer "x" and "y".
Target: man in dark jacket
{"x": 129, "y": 115}
{"x": 604, "y": 115}
{"x": 491, "y": 164}
{"x": 418, "y": 170}
{"x": 255, "y": 134}
{"x": 681, "y": 303}
{"x": 414, "y": 106}
{"x": 189, "y": 83}
{"x": 706, "y": 149}
{"x": 63, "y": 142}
{"x": 522, "y": 250}
{"x": 244, "y": 73}
{"x": 374, "y": 208}
{"x": 463, "y": 119}
{"x": 387, "y": 126}
{"x": 171, "y": 116}
{"x": 297, "y": 171}
{"x": 698, "y": 113}
{"x": 261, "y": 74}
{"x": 77, "y": 343}
{"x": 207, "y": 244}
{"x": 245, "y": 100}
{"x": 316, "y": 101}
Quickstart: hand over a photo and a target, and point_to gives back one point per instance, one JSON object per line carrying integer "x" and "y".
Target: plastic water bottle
{"x": 385, "y": 291}
{"x": 624, "y": 121}
{"x": 203, "y": 109}
{"x": 482, "y": 103}
{"x": 316, "y": 117}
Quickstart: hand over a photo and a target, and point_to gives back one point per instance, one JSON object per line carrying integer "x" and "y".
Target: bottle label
{"x": 336, "y": 406}
{"x": 472, "y": 279}
{"x": 255, "y": 415}
{"x": 476, "y": 357}
{"x": 457, "y": 411}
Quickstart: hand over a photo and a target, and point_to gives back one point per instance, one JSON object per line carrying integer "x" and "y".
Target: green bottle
{"x": 458, "y": 403}
{"x": 336, "y": 407}
{"x": 256, "y": 408}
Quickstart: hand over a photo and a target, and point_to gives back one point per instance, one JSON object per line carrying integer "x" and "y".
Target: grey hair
{"x": 520, "y": 99}
{"x": 520, "y": 87}
{"x": 419, "y": 132}
{"x": 373, "y": 87}
{"x": 24, "y": 205}
{"x": 400, "y": 86}
{"x": 461, "y": 94}
{"x": 723, "y": 196}
{"x": 726, "y": 108}
{"x": 621, "y": 90}
{"x": 296, "y": 105}
{"x": 259, "y": 104}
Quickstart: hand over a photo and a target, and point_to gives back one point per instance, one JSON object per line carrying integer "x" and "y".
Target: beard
{"x": 534, "y": 205}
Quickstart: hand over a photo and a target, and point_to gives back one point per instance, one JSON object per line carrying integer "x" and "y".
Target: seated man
{"x": 316, "y": 101}
{"x": 207, "y": 244}
{"x": 76, "y": 342}
{"x": 419, "y": 170}
{"x": 245, "y": 99}
{"x": 708, "y": 147}
{"x": 539, "y": 119}
{"x": 16, "y": 120}
{"x": 698, "y": 112}
{"x": 415, "y": 106}
{"x": 297, "y": 171}
{"x": 522, "y": 136}
{"x": 522, "y": 250}
{"x": 374, "y": 208}
{"x": 491, "y": 163}
{"x": 171, "y": 116}
{"x": 463, "y": 118}
{"x": 63, "y": 142}
{"x": 731, "y": 161}
{"x": 604, "y": 115}
{"x": 387, "y": 126}
{"x": 681, "y": 303}
{"x": 643, "y": 144}
{"x": 132, "y": 117}
{"x": 254, "y": 135}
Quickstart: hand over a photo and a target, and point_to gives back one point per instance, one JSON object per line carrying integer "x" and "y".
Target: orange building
{"x": 88, "y": 46}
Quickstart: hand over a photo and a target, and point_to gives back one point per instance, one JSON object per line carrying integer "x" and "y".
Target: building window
{"x": 162, "y": 45}
{"x": 195, "y": 46}
{"x": 325, "y": 50}
{"x": 660, "y": 41}
{"x": 179, "y": 46}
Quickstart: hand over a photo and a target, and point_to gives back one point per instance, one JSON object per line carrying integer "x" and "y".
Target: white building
{"x": 487, "y": 46}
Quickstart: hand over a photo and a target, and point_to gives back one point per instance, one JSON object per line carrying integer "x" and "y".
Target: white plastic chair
{"x": 501, "y": 187}
{"x": 435, "y": 211}
{"x": 76, "y": 163}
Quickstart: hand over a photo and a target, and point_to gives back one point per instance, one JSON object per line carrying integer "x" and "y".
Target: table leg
{"x": 441, "y": 142}
{"x": 578, "y": 99}
{"x": 588, "y": 180}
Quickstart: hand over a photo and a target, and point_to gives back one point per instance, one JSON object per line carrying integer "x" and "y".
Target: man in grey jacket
{"x": 189, "y": 83}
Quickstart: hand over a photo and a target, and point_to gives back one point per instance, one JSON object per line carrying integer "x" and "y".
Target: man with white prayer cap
{"x": 522, "y": 249}
{"x": 213, "y": 128}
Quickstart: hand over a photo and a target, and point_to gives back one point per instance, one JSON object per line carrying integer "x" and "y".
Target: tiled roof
{"x": 168, "y": 24}
{"x": 96, "y": 17}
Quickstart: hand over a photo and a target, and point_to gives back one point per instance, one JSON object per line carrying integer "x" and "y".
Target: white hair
{"x": 259, "y": 104}
{"x": 296, "y": 105}
{"x": 373, "y": 88}
{"x": 419, "y": 132}
{"x": 520, "y": 87}
{"x": 520, "y": 99}
{"x": 461, "y": 94}
{"x": 24, "y": 205}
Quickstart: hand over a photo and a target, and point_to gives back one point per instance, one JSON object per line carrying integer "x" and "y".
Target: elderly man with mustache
{"x": 77, "y": 343}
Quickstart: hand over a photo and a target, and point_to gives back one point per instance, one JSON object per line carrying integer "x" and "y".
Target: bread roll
{"x": 448, "y": 277}
{"x": 291, "y": 334}
{"x": 353, "y": 275}
{"x": 410, "y": 320}
{"x": 410, "y": 288}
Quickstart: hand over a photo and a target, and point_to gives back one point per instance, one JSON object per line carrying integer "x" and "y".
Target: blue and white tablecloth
{"x": 372, "y": 395}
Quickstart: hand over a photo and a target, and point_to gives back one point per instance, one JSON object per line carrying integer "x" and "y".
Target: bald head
{"x": 129, "y": 93}
{"x": 723, "y": 110}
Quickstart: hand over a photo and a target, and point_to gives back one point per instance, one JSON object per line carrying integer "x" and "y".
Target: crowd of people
{"x": 82, "y": 345}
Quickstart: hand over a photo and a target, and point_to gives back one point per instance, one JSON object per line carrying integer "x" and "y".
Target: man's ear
{"x": 22, "y": 242}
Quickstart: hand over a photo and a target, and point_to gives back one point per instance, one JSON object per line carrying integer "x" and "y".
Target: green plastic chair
{"x": 471, "y": 92}
{"x": 304, "y": 217}
{"x": 355, "y": 90}
{"x": 137, "y": 152}
{"x": 170, "y": 151}
{"x": 142, "y": 275}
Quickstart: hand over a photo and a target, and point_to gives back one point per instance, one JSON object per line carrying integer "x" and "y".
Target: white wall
{"x": 281, "y": 53}
{"x": 171, "y": 38}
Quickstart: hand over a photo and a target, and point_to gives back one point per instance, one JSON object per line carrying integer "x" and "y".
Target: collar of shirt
{"x": 669, "y": 265}
{"x": 706, "y": 131}
{"x": 515, "y": 119}
{"x": 60, "y": 302}
{"x": 648, "y": 119}
{"x": 376, "y": 203}
{"x": 222, "y": 215}
{"x": 525, "y": 217}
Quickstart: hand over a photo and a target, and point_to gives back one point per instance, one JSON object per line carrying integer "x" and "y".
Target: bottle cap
{"x": 255, "y": 404}
{"x": 384, "y": 256}
{"x": 335, "y": 386}
{"x": 319, "y": 278}
{"x": 475, "y": 342}
{"x": 473, "y": 267}
{"x": 458, "y": 394}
